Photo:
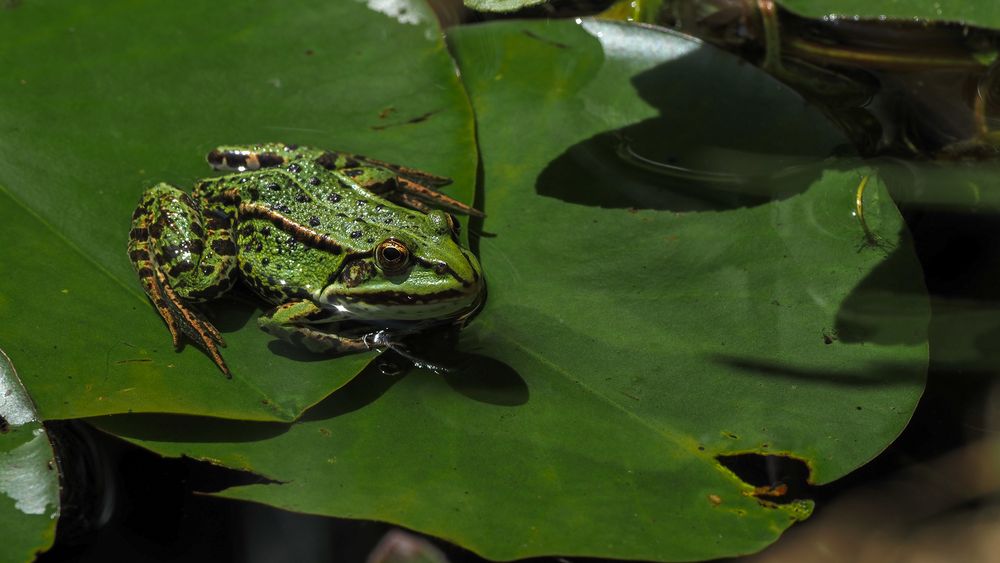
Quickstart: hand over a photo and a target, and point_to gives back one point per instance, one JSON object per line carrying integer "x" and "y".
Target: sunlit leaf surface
{"x": 676, "y": 272}
{"x": 103, "y": 99}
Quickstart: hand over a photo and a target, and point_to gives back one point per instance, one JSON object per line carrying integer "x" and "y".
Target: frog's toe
{"x": 182, "y": 319}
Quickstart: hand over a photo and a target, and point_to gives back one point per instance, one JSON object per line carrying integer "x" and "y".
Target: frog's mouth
{"x": 387, "y": 302}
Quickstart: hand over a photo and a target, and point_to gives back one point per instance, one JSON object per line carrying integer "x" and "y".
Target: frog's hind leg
{"x": 182, "y": 258}
{"x": 291, "y": 322}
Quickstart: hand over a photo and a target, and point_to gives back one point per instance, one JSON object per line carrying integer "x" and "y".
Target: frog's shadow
{"x": 234, "y": 310}
{"x": 475, "y": 376}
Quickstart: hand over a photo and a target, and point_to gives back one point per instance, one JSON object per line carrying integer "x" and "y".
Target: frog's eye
{"x": 392, "y": 256}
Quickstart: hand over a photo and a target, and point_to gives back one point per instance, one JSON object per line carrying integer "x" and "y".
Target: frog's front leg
{"x": 291, "y": 322}
{"x": 181, "y": 257}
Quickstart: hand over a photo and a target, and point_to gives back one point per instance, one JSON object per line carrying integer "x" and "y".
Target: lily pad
{"x": 982, "y": 13}
{"x": 105, "y": 98}
{"x": 29, "y": 479}
{"x": 674, "y": 278}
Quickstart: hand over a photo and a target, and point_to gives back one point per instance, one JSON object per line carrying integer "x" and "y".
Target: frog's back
{"x": 296, "y": 228}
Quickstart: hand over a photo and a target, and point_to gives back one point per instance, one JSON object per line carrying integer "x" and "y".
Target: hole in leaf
{"x": 778, "y": 479}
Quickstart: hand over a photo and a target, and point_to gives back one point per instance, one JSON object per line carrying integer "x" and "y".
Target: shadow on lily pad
{"x": 697, "y": 154}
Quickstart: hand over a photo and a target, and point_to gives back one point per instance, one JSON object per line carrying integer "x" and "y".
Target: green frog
{"x": 325, "y": 236}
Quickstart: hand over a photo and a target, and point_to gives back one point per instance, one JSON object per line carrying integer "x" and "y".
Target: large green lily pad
{"x": 673, "y": 277}
{"x": 29, "y": 479}
{"x": 102, "y": 99}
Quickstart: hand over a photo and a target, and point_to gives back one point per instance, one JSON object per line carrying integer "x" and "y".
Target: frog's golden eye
{"x": 392, "y": 256}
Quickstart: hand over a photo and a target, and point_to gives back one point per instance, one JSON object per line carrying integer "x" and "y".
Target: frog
{"x": 350, "y": 252}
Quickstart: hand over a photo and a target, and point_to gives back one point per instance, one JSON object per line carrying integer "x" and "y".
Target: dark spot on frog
{"x": 248, "y": 267}
{"x": 302, "y": 198}
{"x": 345, "y": 185}
{"x": 354, "y": 172}
{"x": 197, "y": 230}
{"x": 170, "y": 252}
{"x": 215, "y": 157}
{"x": 146, "y": 272}
{"x": 333, "y": 198}
{"x": 314, "y": 221}
{"x": 379, "y": 207}
{"x": 282, "y": 208}
{"x": 138, "y": 255}
{"x": 138, "y": 233}
{"x": 294, "y": 168}
{"x": 327, "y": 160}
{"x": 361, "y": 203}
{"x": 259, "y": 248}
{"x": 206, "y": 270}
{"x": 315, "y": 181}
{"x": 224, "y": 247}
{"x": 274, "y": 187}
{"x": 217, "y": 220}
{"x": 265, "y": 261}
{"x": 266, "y": 231}
{"x": 246, "y": 230}
{"x": 371, "y": 241}
{"x": 196, "y": 246}
{"x": 356, "y": 234}
{"x": 180, "y": 268}
{"x": 267, "y": 159}
{"x": 254, "y": 194}
{"x": 359, "y": 220}
{"x": 156, "y": 229}
{"x": 384, "y": 186}
{"x": 236, "y": 160}
{"x": 351, "y": 163}
{"x": 388, "y": 220}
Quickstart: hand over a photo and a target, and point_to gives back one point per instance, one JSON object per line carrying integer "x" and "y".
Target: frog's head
{"x": 420, "y": 274}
